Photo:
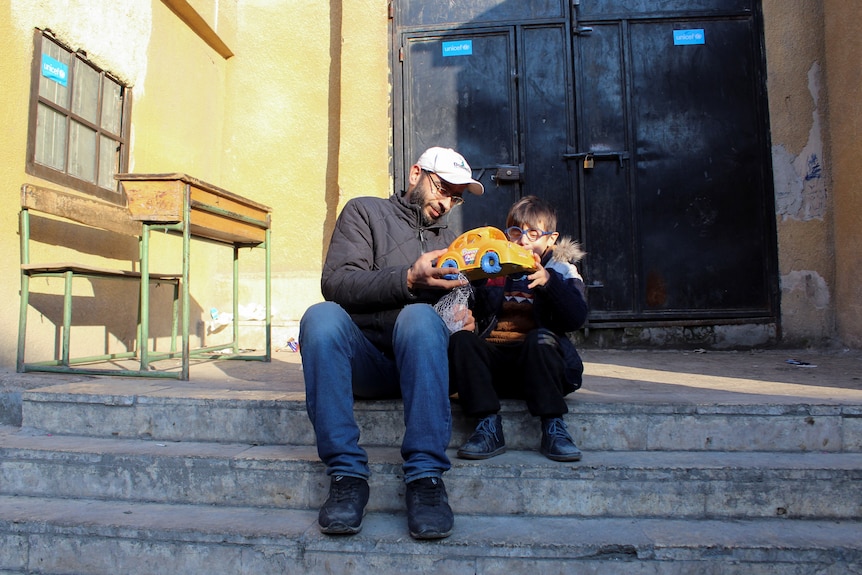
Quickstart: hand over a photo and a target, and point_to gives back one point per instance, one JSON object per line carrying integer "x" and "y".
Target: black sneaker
{"x": 342, "y": 512}
{"x": 487, "y": 441}
{"x": 428, "y": 513}
{"x": 557, "y": 444}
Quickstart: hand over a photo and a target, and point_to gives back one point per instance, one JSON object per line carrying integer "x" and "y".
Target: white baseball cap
{"x": 450, "y": 166}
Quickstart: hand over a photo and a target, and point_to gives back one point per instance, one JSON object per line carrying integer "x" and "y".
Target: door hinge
{"x": 401, "y": 54}
{"x": 391, "y": 11}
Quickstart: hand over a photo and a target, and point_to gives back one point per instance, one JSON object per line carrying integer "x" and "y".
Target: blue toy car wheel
{"x": 450, "y": 263}
{"x": 491, "y": 263}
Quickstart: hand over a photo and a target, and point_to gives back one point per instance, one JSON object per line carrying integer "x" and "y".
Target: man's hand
{"x": 423, "y": 275}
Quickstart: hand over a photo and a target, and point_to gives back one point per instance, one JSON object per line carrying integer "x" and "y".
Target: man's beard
{"x": 417, "y": 198}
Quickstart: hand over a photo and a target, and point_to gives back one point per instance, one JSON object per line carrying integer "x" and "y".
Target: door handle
{"x": 508, "y": 173}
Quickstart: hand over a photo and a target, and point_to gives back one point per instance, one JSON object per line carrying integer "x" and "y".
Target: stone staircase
{"x": 110, "y": 476}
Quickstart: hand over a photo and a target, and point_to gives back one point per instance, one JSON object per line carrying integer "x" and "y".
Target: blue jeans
{"x": 338, "y": 361}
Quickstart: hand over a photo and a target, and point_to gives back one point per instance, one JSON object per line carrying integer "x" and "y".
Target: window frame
{"x": 64, "y": 178}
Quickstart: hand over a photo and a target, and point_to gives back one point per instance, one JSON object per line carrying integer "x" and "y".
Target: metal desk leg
{"x": 144, "y": 329}
{"x": 25, "y": 288}
{"x": 184, "y": 374}
{"x": 268, "y": 280}
{"x": 67, "y": 317}
{"x": 235, "y": 347}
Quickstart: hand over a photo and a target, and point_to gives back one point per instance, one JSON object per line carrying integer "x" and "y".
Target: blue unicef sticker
{"x": 458, "y": 48}
{"x": 686, "y": 37}
{"x": 55, "y": 70}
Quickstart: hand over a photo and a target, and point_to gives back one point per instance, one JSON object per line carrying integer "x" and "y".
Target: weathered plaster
{"x": 806, "y": 308}
{"x": 800, "y": 188}
{"x": 811, "y": 285}
{"x": 800, "y": 129}
{"x": 93, "y": 25}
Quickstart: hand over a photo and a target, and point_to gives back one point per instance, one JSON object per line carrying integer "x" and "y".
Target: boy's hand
{"x": 541, "y": 276}
{"x": 423, "y": 274}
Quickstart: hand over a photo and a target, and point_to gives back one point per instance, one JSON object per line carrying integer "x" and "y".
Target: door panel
{"x": 609, "y": 233}
{"x": 546, "y": 104}
{"x": 699, "y": 187}
{"x": 505, "y": 104}
{"x": 682, "y": 228}
{"x": 466, "y": 102}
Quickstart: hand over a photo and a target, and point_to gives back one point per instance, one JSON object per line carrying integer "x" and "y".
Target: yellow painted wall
{"x": 14, "y": 71}
{"x": 178, "y": 120}
{"x": 844, "y": 86}
{"x": 298, "y": 119}
{"x": 814, "y": 84}
{"x": 116, "y": 35}
{"x": 307, "y": 125}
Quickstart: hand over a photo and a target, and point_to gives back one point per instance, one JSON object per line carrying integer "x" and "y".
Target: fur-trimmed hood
{"x": 567, "y": 250}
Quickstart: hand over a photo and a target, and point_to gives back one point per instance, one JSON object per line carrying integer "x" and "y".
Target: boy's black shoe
{"x": 557, "y": 444}
{"x": 342, "y": 512}
{"x": 487, "y": 441}
{"x": 428, "y": 513}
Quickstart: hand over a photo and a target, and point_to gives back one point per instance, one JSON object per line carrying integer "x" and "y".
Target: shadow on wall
{"x": 333, "y": 192}
{"x": 104, "y": 311}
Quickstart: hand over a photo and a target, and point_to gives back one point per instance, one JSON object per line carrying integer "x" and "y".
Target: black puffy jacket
{"x": 374, "y": 243}
{"x": 560, "y": 305}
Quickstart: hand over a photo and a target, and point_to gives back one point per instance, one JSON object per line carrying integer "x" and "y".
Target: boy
{"x": 520, "y": 349}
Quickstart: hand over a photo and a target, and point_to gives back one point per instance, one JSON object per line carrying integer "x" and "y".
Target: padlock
{"x": 589, "y": 162}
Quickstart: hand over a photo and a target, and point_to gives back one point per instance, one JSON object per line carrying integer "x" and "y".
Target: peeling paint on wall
{"x": 114, "y": 33}
{"x": 800, "y": 186}
{"x": 810, "y": 285}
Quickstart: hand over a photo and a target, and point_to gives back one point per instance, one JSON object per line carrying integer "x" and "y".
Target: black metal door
{"x": 677, "y": 197}
{"x": 490, "y": 79}
{"x": 642, "y": 121}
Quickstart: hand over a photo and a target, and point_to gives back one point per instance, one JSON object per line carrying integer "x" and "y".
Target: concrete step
{"x": 603, "y": 484}
{"x": 171, "y": 411}
{"x": 45, "y": 535}
{"x": 707, "y": 464}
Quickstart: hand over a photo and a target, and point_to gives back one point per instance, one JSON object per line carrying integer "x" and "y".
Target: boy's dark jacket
{"x": 559, "y": 305}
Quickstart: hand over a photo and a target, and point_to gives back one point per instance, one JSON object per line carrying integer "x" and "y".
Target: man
{"x": 378, "y": 336}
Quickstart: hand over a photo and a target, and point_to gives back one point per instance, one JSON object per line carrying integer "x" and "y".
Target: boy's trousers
{"x": 482, "y": 373}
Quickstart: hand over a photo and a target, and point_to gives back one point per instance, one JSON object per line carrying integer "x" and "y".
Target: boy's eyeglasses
{"x": 514, "y": 234}
{"x": 444, "y": 192}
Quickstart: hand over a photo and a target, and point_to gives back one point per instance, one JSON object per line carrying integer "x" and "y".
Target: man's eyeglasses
{"x": 444, "y": 192}
{"x": 514, "y": 234}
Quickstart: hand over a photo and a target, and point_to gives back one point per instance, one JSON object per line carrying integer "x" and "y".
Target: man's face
{"x": 434, "y": 196}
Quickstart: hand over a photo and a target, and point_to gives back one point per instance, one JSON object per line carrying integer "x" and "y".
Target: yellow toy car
{"x": 485, "y": 252}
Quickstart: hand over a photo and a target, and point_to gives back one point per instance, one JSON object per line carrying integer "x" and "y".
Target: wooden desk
{"x": 192, "y": 208}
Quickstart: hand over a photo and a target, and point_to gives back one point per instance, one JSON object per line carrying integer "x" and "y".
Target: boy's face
{"x": 540, "y": 245}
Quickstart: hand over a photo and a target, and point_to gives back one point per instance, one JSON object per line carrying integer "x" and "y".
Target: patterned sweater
{"x": 516, "y": 316}
{"x": 505, "y": 309}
